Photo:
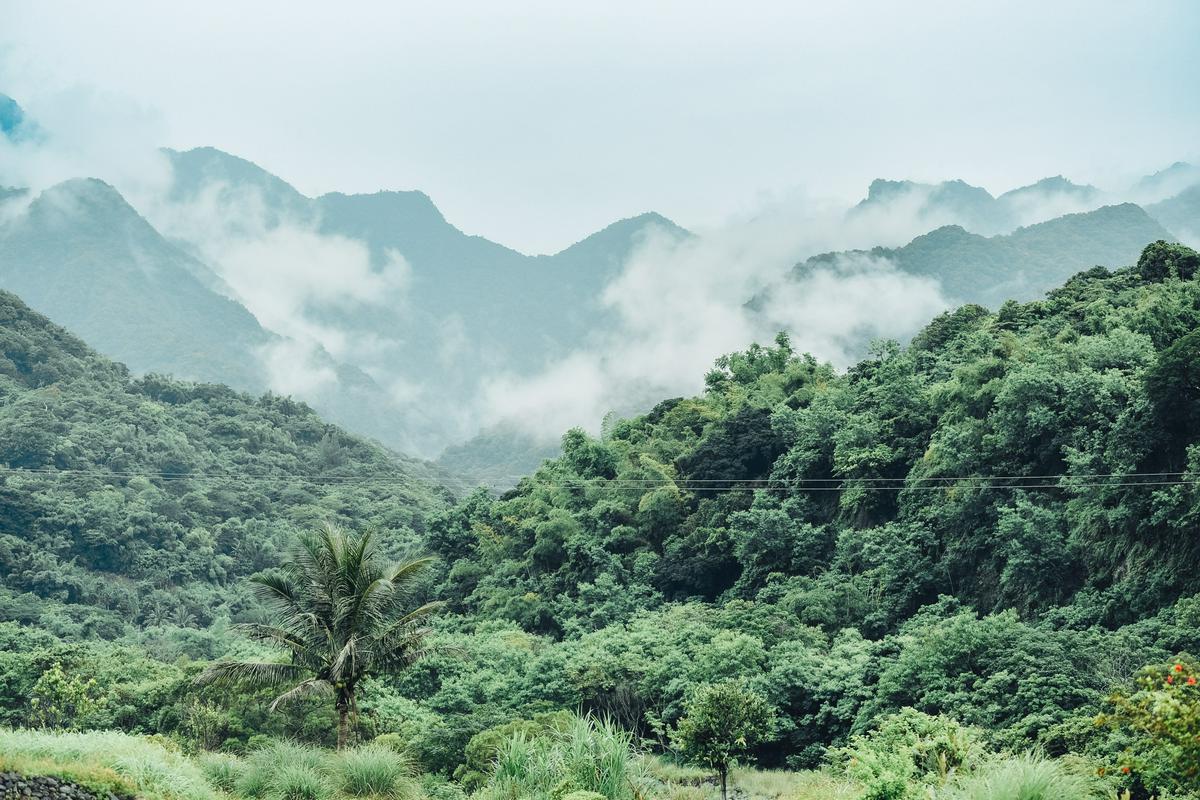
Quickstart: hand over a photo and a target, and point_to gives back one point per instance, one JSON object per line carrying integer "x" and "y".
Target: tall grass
{"x": 1025, "y": 777}
{"x": 377, "y": 771}
{"x": 109, "y": 761}
{"x": 290, "y": 771}
{"x": 590, "y": 755}
{"x": 221, "y": 770}
{"x": 673, "y": 781}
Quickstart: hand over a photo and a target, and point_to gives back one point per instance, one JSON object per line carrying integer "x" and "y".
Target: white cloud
{"x": 681, "y": 303}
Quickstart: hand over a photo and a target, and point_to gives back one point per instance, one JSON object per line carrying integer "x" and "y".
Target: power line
{"x": 707, "y": 485}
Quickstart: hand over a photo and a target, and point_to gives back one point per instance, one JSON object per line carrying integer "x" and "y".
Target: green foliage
{"x": 285, "y": 770}
{"x": 481, "y": 751}
{"x": 908, "y": 753}
{"x": 148, "y": 500}
{"x": 589, "y": 756}
{"x": 221, "y": 770}
{"x": 106, "y": 761}
{"x": 61, "y": 701}
{"x": 299, "y": 781}
{"x": 1163, "y": 718}
{"x": 376, "y": 771}
{"x": 993, "y": 525}
{"x": 722, "y": 722}
{"x": 1162, "y": 260}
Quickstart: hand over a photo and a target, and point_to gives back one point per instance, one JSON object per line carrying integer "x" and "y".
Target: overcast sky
{"x": 536, "y": 123}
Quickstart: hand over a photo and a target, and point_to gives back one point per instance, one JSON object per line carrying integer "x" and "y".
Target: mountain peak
{"x": 11, "y": 115}
{"x": 87, "y": 200}
{"x": 618, "y": 238}
{"x": 1056, "y": 184}
{"x": 15, "y": 125}
{"x": 202, "y": 168}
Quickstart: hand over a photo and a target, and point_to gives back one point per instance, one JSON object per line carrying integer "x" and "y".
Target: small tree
{"x": 722, "y": 721}
{"x": 59, "y": 700}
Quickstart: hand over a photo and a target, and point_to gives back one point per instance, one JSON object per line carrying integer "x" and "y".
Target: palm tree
{"x": 340, "y": 612}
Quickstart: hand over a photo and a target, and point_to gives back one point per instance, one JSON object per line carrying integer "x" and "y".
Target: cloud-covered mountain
{"x": 83, "y": 256}
{"x": 1181, "y": 213}
{"x": 1166, "y": 183}
{"x": 384, "y": 282}
{"x": 392, "y": 321}
{"x": 957, "y": 202}
{"x": 79, "y": 253}
{"x": 1021, "y": 265}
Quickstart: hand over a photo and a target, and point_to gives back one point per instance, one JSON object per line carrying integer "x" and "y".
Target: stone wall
{"x": 14, "y": 786}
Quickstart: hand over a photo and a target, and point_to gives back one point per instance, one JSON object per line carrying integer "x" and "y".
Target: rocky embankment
{"x": 14, "y": 786}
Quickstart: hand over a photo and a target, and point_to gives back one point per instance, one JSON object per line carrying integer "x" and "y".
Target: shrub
{"x": 254, "y": 780}
{"x": 481, "y": 750}
{"x": 1163, "y": 716}
{"x": 588, "y": 756}
{"x": 910, "y": 750}
{"x": 287, "y": 771}
{"x": 392, "y": 741}
{"x": 722, "y": 722}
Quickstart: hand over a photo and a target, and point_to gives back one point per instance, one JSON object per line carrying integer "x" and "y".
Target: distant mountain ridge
{"x": 183, "y": 287}
{"x": 975, "y": 208}
{"x": 470, "y": 306}
{"x": 1022, "y": 265}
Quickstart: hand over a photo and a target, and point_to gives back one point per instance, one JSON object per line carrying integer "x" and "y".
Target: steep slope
{"x": 1022, "y": 265}
{"x": 1166, "y": 183}
{"x": 84, "y": 257}
{"x": 1180, "y": 214}
{"x": 144, "y": 499}
{"x": 787, "y": 475}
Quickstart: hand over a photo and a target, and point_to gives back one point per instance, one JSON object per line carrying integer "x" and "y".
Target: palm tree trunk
{"x": 344, "y": 701}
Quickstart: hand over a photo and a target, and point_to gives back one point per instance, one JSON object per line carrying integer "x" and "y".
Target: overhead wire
{"x": 1044, "y": 481}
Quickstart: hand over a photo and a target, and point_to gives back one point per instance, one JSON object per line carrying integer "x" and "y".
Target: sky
{"x": 537, "y": 123}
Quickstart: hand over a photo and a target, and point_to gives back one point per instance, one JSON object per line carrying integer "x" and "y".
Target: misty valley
{"x": 315, "y": 495}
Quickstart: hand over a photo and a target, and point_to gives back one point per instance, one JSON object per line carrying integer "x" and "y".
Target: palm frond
{"x": 402, "y": 573}
{"x": 292, "y": 639}
{"x": 309, "y": 688}
{"x": 254, "y": 674}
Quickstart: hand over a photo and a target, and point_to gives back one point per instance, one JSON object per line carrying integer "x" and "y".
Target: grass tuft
{"x": 376, "y": 771}
{"x": 1026, "y": 777}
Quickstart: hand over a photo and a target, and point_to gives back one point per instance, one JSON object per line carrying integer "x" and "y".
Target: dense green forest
{"x": 965, "y": 563}
{"x": 146, "y": 500}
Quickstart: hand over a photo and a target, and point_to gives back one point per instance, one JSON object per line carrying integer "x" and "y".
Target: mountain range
{"x": 387, "y": 318}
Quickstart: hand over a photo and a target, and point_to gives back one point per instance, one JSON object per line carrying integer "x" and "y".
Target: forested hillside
{"x": 127, "y": 500}
{"x": 994, "y": 525}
